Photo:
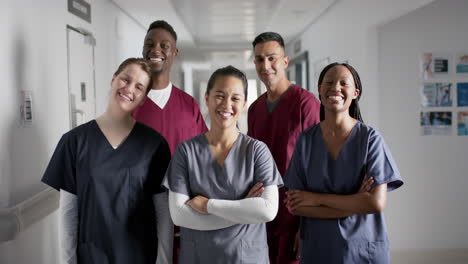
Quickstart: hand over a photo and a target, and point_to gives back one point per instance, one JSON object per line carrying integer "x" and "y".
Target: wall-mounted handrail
{"x": 17, "y": 218}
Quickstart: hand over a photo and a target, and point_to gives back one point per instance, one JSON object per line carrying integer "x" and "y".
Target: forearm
{"x": 183, "y": 215}
{"x": 68, "y": 227}
{"x": 165, "y": 228}
{"x": 249, "y": 210}
{"x": 359, "y": 203}
{"x": 322, "y": 212}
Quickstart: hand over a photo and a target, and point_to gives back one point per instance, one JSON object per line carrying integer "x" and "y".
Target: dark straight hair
{"x": 268, "y": 36}
{"x": 354, "y": 110}
{"x": 224, "y": 72}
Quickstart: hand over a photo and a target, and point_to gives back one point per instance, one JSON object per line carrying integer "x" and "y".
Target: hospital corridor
{"x": 220, "y": 117}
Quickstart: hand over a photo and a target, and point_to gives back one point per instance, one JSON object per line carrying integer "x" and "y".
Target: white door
{"x": 81, "y": 84}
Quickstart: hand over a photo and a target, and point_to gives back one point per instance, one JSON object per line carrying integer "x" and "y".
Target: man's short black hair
{"x": 268, "y": 36}
{"x": 163, "y": 25}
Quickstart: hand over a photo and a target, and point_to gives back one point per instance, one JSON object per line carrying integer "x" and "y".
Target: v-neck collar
{"x": 168, "y": 100}
{"x": 124, "y": 141}
{"x": 234, "y": 145}
{"x": 277, "y": 101}
{"x": 338, "y": 156}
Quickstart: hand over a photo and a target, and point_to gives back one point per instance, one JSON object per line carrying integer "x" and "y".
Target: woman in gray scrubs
{"x": 223, "y": 185}
{"x": 333, "y": 165}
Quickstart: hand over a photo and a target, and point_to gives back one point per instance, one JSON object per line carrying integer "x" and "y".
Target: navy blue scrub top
{"x": 353, "y": 239}
{"x": 114, "y": 187}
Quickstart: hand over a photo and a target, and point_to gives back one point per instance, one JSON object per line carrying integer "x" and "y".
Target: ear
{"x": 176, "y": 52}
{"x": 206, "y": 99}
{"x": 357, "y": 92}
{"x": 286, "y": 61}
{"x": 112, "y": 80}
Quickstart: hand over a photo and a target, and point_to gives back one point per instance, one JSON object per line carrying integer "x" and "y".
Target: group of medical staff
{"x": 307, "y": 184}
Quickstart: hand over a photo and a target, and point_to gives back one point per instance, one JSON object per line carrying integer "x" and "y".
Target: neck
{"x": 116, "y": 119}
{"x": 338, "y": 123}
{"x": 275, "y": 91}
{"x": 222, "y": 137}
{"x": 160, "y": 81}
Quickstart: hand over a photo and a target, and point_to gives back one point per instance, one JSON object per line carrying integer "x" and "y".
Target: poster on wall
{"x": 461, "y": 65}
{"x": 436, "y": 94}
{"x": 434, "y": 65}
{"x": 436, "y": 123}
{"x": 462, "y": 126}
{"x": 462, "y": 93}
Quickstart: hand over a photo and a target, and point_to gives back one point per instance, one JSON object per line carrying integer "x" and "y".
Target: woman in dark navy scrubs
{"x": 109, "y": 173}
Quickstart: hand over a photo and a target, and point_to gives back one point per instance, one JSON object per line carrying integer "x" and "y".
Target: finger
{"x": 254, "y": 189}
{"x": 368, "y": 184}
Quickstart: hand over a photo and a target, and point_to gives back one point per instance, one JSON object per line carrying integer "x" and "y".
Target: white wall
{"x": 34, "y": 57}
{"x": 431, "y": 210}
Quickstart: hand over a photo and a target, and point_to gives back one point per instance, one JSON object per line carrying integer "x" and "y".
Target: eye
{"x": 271, "y": 58}
{"x": 258, "y": 60}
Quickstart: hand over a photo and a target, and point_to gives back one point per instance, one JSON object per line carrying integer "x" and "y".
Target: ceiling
{"x": 227, "y": 25}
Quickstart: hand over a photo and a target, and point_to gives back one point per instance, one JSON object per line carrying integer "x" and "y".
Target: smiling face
{"x": 160, "y": 50}
{"x": 225, "y": 101}
{"x": 338, "y": 89}
{"x": 129, "y": 88}
{"x": 270, "y": 62}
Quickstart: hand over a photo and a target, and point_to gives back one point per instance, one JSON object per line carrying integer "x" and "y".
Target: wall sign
{"x": 80, "y": 8}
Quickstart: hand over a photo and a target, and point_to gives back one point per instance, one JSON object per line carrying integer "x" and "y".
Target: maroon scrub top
{"x": 297, "y": 110}
{"x": 178, "y": 121}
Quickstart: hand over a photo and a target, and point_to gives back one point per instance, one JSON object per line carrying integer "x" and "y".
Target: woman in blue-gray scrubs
{"x": 223, "y": 185}
{"x": 339, "y": 176}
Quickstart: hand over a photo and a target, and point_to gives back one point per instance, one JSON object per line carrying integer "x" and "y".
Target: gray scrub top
{"x": 194, "y": 171}
{"x": 353, "y": 239}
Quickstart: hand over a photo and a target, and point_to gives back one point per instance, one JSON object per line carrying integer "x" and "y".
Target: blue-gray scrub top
{"x": 353, "y": 239}
{"x": 194, "y": 171}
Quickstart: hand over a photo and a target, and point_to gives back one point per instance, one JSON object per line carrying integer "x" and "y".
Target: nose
{"x": 336, "y": 86}
{"x": 226, "y": 103}
{"x": 266, "y": 64}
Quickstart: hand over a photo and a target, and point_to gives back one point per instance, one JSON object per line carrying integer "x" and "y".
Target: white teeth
{"x": 156, "y": 59}
{"x": 225, "y": 114}
{"x": 126, "y": 97}
{"x": 335, "y": 97}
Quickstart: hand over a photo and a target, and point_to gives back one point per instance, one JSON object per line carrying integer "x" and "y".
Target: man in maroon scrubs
{"x": 167, "y": 109}
{"x": 277, "y": 118}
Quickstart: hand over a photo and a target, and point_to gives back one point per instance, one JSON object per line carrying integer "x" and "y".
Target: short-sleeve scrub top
{"x": 353, "y": 239}
{"x": 194, "y": 171}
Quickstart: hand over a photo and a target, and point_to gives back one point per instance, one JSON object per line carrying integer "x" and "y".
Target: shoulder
{"x": 366, "y": 130}
{"x": 367, "y": 135}
{"x": 192, "y": 144}
{"x": 305, "y": 97}
{"x": 80, "y": 131}
{"x": 182, "y": 95}
{"x": 254, "y": 145}
{"x": 149, "y": 135}
{"x": 310, "y": 132}
{"x": 257, "y": 102}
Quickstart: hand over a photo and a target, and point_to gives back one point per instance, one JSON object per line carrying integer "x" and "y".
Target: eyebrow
{"x": 270, "y": 54}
